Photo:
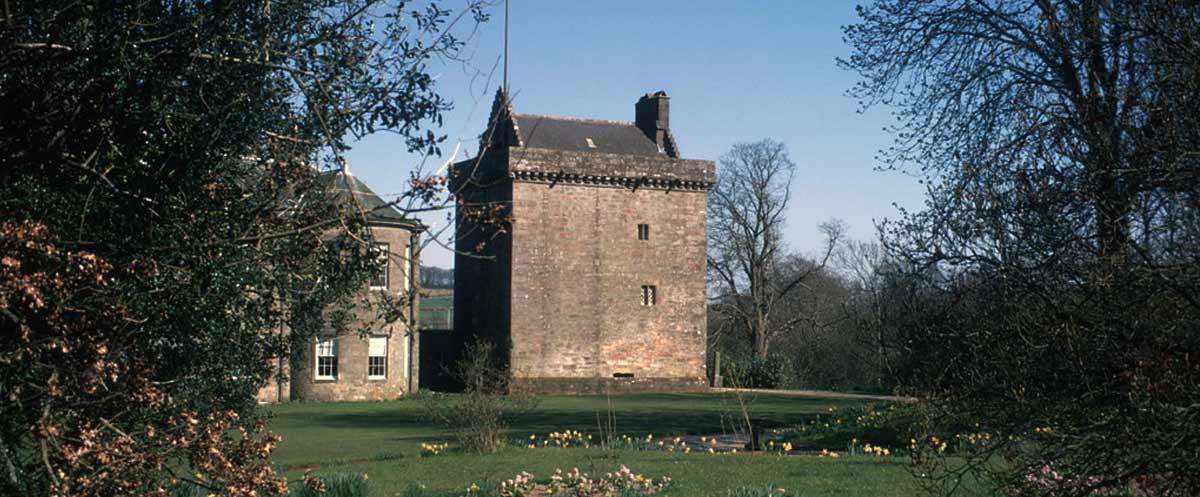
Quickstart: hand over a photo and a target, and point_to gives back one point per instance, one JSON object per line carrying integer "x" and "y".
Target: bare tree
{"x": 1051, "y": 279}
{"x": 746, "y": 215}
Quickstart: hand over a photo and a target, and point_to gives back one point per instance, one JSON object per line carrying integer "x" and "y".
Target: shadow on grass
{"x": 660, "y": 414}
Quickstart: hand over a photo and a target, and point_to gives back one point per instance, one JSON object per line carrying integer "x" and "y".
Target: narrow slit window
{"x": 649, "y": 295}
{"x": 377, "y": 357}
{"x": 327, "y": 359}
{"x": 379, "y": 280}
{"x": 643, "y": 232}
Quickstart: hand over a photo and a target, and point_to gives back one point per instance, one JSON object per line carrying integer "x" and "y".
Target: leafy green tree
{"x": 1049, "y": 295}
{"x": 160, "y": 217}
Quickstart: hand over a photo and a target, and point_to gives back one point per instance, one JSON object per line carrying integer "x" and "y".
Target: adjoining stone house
{"x": 596, "y": 279}
{"x": 378, "y": 365}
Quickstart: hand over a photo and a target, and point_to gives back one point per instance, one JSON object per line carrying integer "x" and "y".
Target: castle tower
{"x": 582, "y": 251}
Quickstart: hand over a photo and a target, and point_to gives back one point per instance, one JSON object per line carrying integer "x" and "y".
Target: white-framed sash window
{"x": 327, "y": 360}
{"x": 377, "y": 348}
{"x": 379, "y": 280}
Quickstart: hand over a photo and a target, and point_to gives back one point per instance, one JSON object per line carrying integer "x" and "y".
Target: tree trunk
{"x": 760, "y": 343}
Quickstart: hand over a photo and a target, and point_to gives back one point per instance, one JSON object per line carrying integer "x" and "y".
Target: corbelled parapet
{"x": 591, "y": 168}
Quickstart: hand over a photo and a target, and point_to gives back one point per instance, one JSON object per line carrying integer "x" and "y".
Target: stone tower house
{"x": 581, "y": 251}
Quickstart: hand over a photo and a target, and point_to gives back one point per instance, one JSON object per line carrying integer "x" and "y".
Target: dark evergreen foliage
{"x": 161, "y": 219}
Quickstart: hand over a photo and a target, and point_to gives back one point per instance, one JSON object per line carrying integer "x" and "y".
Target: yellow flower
{"x": 366, "y": 476}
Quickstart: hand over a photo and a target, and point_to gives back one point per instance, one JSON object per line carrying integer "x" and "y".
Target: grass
{"x": 383, "y": 440}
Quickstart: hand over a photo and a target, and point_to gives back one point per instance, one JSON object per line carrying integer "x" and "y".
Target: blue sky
{"x": 735, "y": 72}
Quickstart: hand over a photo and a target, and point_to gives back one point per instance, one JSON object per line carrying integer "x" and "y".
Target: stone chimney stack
{"x": 652, "y": 116}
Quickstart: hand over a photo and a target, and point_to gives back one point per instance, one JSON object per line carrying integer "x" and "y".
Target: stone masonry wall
{"x": 577, "y": 272}
{"x": 562, "y": 290}
{"x": 352, "y": 382}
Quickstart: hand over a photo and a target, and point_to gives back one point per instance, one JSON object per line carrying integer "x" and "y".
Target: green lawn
{"x": 383, "y": 440}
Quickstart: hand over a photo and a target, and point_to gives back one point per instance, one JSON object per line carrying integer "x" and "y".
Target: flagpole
{"x": 505, "y": 47}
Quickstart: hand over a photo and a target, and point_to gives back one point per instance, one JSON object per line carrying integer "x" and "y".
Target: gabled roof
{"x": 378, "y": 211}
{"x": 583, "y": 135}
{"x": 508, "y": 128}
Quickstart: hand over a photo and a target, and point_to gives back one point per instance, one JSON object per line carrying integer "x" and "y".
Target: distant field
{"x": 382, "y": 439}
{"x": 437, "y": 311}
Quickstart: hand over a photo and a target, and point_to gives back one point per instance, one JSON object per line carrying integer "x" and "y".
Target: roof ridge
{"x": 576, "y": 119}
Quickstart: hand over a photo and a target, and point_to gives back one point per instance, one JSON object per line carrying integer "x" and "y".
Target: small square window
{"x": 643, "y": 232}
{"x": 379, "y": 280}
{"x": 649, "y": 295}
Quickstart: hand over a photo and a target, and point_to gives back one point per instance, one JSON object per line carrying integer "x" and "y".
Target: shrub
{"x": 188, "y": 489}
{"x": 757, "y": 372}
{"x": 479, "y": 416}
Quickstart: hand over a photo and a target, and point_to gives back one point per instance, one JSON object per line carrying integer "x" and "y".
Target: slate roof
{"x": 377, "y": 209}
{"x": 564, "y": 133}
